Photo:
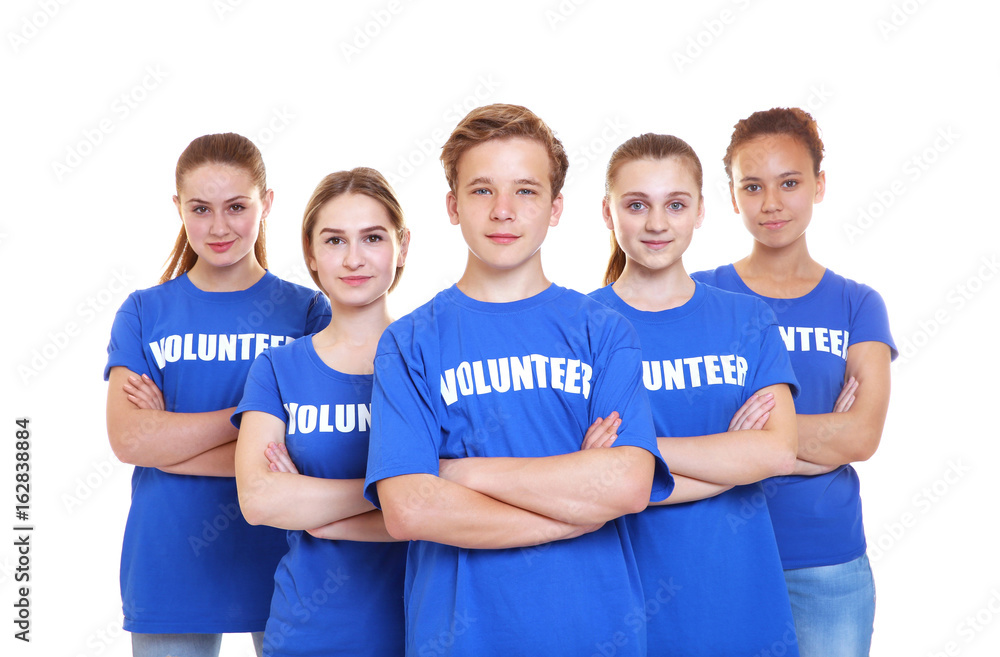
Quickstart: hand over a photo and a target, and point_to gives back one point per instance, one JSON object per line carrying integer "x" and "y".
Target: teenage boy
{"x": 517, "y": 546}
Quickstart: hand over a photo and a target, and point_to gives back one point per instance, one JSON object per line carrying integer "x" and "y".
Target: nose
{"x": 503, "y": 208}
{"x": 657, "y": 220}
{"x": 771, "y": 200}
{"x": 219, "y": 226}
{"x": 354, "y": 258}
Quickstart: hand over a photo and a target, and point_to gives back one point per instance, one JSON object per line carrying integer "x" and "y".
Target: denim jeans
{"x": 833, "y": 608}
{"x": 184, "y": 645}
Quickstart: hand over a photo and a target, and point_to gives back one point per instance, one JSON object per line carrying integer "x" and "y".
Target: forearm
{"x": 368, "y": 527}
{"x": 729, "y": 459}
{"x": 429, "y": 508}
{"x": 688, "y": 489}
{"x": 589, "y": 486}
{"x": 811, "y": 469}
{"x": 295, "y": 501}
{"x": 833, "y": 439}
{"x": 216, "y": 462}
{"x": 158, "y": 439}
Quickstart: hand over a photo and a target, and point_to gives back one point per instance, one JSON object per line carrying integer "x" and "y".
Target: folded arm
{"x": 833, "y": 439}
{"x": 287, "y": 499}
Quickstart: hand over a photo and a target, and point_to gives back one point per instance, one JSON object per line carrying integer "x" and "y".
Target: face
{"x": 503, "y": 201}
{"x": 222, "y": 211}
{"x": 774, "y": 188}
{"x": 654, "y": 207}
{"x": 354, "y": 249}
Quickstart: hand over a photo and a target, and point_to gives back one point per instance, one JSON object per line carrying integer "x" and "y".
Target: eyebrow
{"x": 227, "y": 201}
{"x": 363, "y": 231}
{"x": 786, "y": 174}
{"x": 486, "y": 180}
{"x": 644, "y": 196}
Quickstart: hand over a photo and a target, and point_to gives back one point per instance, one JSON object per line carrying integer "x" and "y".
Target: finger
{"x": 598, "y": 433}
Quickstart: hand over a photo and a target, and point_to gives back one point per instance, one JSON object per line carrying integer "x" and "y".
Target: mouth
{"x": 774, "y": 225}
{"x": 221, "y": 247}
{"x": 355, "y": 281}
{"x": 657, "y": 245}
{"x": 502, "y": 238}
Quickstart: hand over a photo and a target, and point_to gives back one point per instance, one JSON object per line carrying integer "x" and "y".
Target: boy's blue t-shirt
{"x": 326, "y": 591}
{"x": 190, "y": 562}
{"x": 460, "y": 377}
{"x": 710, "y": 568}
{"x": 817, "y": 519}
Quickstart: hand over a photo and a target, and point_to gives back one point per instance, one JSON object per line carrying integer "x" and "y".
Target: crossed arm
{"x": 143, "y": 433}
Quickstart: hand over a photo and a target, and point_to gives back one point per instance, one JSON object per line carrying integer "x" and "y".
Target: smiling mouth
{"x": 355, "y": 280}
{"x": 657, "y": 244}
{"x": 221, "y": 247}
{"x": 774, "y": 225}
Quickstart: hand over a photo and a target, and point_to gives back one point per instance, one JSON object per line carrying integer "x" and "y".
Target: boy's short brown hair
{"x": 500, "y": 121}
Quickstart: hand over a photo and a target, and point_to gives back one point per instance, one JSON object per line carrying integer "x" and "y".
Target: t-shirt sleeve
{"x": 773, "y": 363}
{"x": 870, "y": 320}
{"x": 319, "y": 314}
{"x": 261, "y": 393}
{"x": 405, "y": 429}
{"x": 125, "y": 347}
{"x": 618, "y": 387}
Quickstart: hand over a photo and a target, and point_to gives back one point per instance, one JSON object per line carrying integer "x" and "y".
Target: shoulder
{"x": 858, "y": 296}
{"x": 711, "y": 276}
{"x": 289, "y": 289}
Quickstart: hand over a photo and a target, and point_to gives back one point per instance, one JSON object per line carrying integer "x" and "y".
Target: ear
{"x": 557, "y": 208}
{"x": 820, "y": 187}
{"x": 732, "y": 195}
{"x": 266, "y": 201}
{"x": 451, "y": 203}
{"x": 701, "y": 213}
{"x": 177, "y": 204}
{"x": 404, "y": 248}
{"x": 606, "y": 213}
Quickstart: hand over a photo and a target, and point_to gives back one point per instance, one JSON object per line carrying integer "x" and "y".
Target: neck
{"x": 233, "y": 278}
{"x": 354, "y": 325}
{"x": 492, "y": 285}
{"x": 791, "y": 261}
{"x": 650, "y": 290}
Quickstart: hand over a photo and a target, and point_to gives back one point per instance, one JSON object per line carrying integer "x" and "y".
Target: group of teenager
{"x": 488, "y": 475}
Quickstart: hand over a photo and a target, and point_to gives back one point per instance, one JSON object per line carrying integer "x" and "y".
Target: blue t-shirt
{"x": 330, "y": 597}
{"x": 190, "y": 562}
{"x": 817, "y": 520}
{"x": 710, "y": 569}
{"x": 460, "y": 377}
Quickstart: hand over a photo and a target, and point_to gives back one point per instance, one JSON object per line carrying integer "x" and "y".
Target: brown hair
{"x": 790, "y": 121}
{"x": 227, "y": 148}
{"x": 644, "y": 147}
{"x": 501, "y": 121}
{"x": 360, "y": 180}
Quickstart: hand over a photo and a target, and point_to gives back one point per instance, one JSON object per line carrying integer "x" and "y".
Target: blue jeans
{"x": 184, "y": 645}
{"x": 833, "y": 608}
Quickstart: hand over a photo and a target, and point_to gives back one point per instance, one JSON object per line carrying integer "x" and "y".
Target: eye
{"x": 373, "y": 239}
{"x": 752, "y": 187}
{"x": 334, "y": 240}
{"x": 636, "y": 206}
{"x": 789, "y": 184}
{"x": 526, "y": 192}
{"x": 676, "y": 206}
{"x": 237, "y": 207}
{"x": 481, "y": 192}
{"x": 200, "y": 209}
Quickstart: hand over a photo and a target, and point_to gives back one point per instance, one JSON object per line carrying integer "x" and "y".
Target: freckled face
{"x": 774, "y": 188}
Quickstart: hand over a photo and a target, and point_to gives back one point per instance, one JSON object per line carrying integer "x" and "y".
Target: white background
{"x": 100, "y": 98}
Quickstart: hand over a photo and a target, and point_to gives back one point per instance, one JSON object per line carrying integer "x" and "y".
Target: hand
{"x": 846, "y": 397}
{"x": 142, "y": 392}
{"x": 753, "y": 414}
{"x": 278, "y": 459}
{"x": 602, "y": 433}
